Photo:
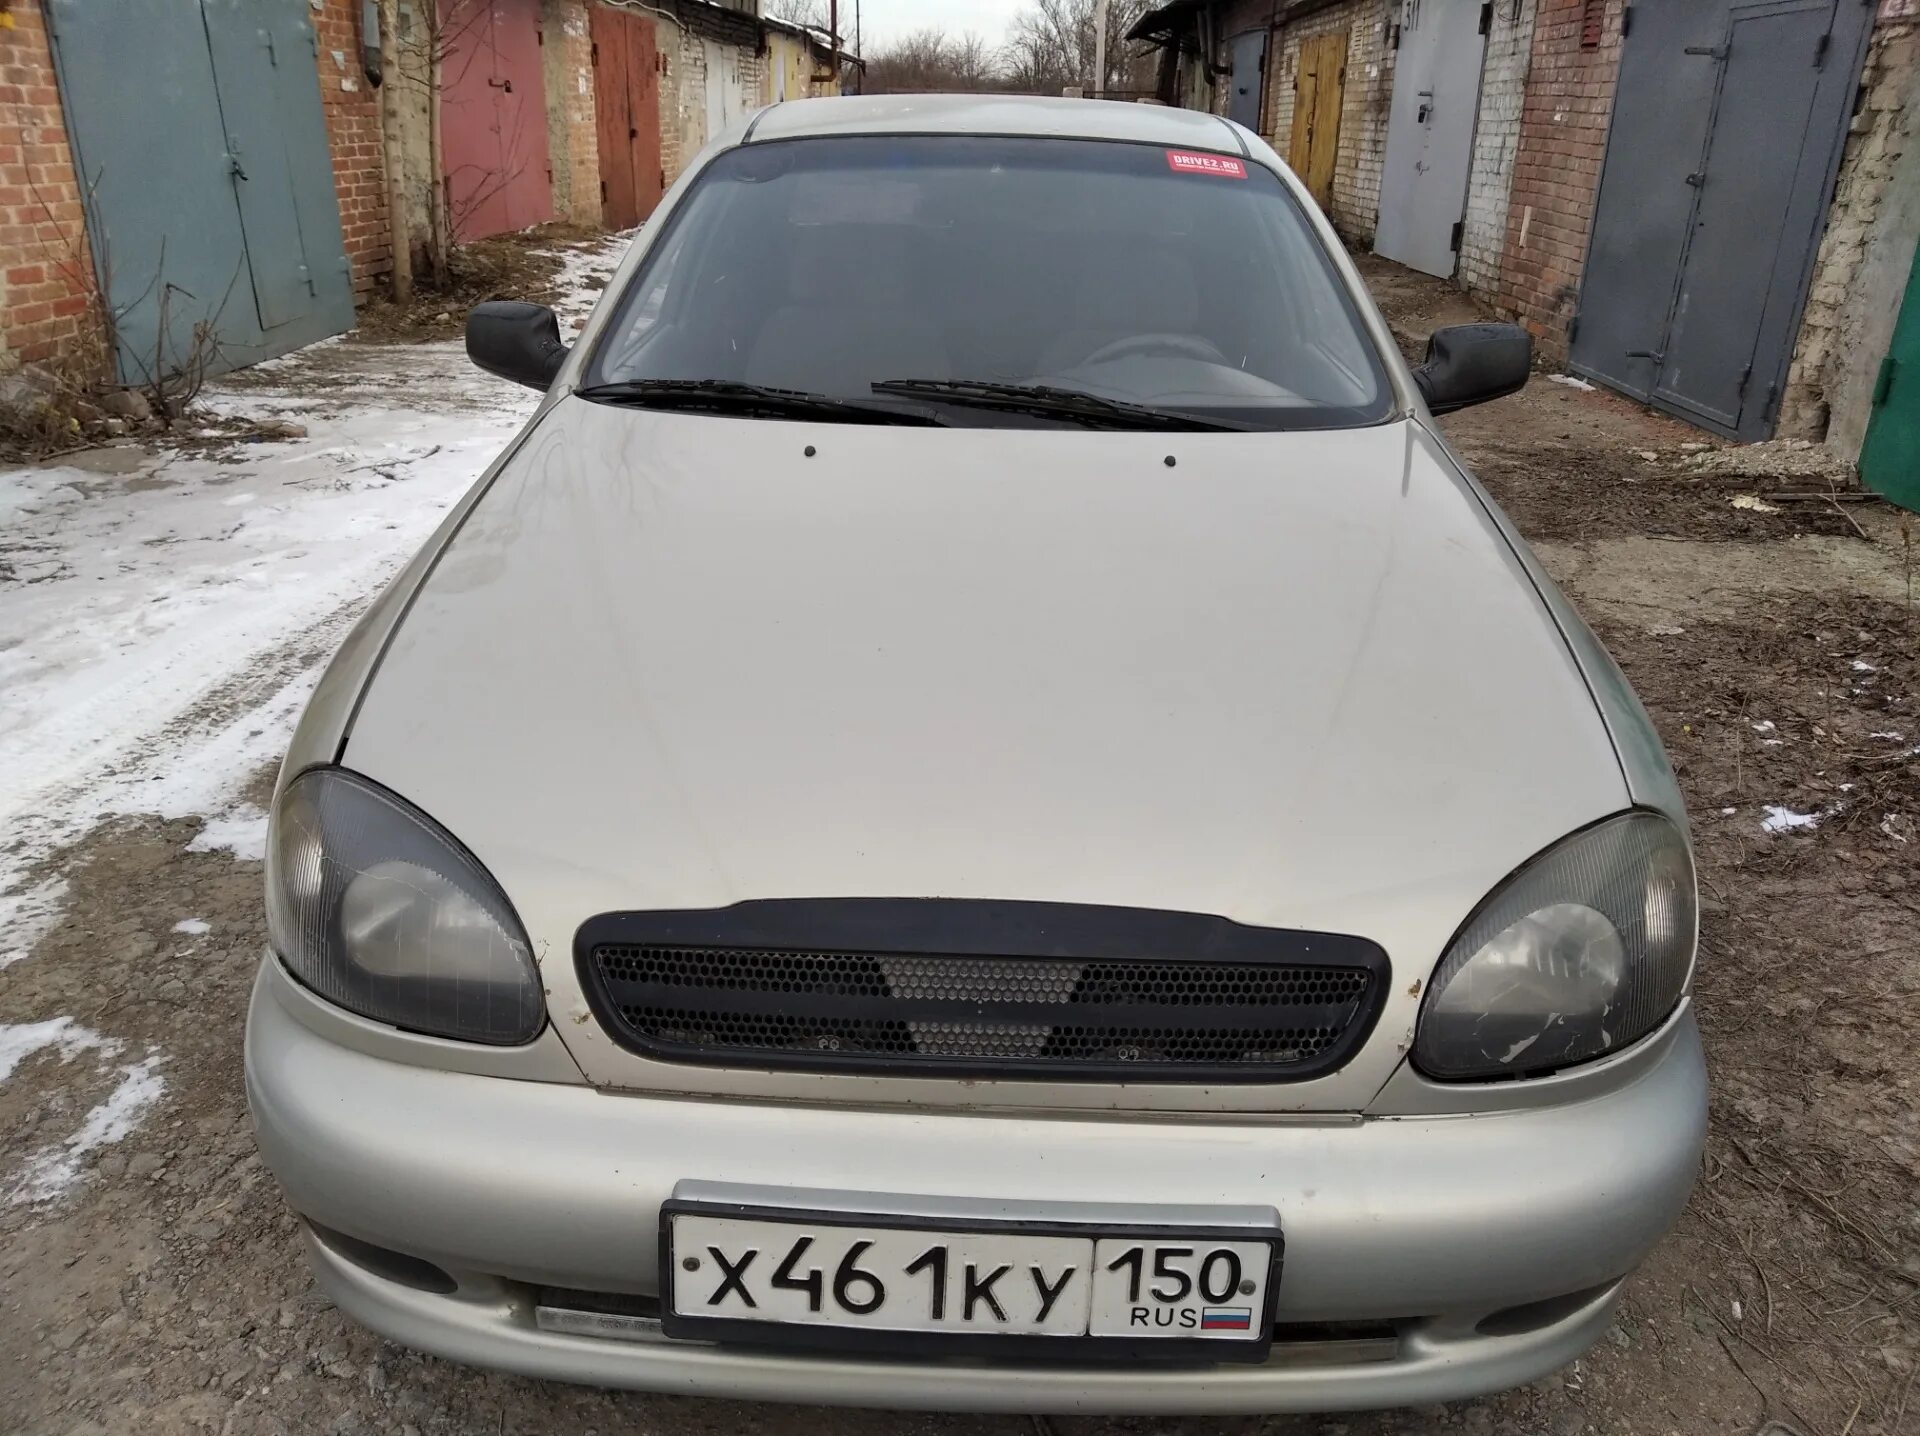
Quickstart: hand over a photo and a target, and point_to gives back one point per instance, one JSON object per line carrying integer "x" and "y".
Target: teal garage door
{"x": 203, "y": 160}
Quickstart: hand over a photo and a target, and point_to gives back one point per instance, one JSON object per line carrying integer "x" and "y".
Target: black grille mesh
{"x": 1134, "y": 1019}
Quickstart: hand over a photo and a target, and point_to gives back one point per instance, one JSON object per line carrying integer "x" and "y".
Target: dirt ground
{"x": 1779, "y": 653}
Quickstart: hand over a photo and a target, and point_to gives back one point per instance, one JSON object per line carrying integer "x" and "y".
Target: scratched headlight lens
{"x": 375, "y": 907}
{"x": 1584, "y": 950}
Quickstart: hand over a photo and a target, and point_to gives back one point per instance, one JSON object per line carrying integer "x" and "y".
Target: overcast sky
{"x": 884, "y": 20}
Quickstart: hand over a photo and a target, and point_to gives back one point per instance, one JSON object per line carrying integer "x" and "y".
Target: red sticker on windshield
{"x": 1190, "y": 162}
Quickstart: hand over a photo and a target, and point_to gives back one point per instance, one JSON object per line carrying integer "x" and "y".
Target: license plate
{"x": 835, "y": 1279}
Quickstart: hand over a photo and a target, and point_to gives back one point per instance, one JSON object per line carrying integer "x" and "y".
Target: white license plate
{"x": 755, "y": 1276}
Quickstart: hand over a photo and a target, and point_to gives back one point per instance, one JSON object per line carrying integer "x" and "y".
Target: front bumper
{"x": 1493, "y": 1244}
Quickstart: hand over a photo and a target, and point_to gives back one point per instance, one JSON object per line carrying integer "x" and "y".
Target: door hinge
{"x": 1746, "y": 378}
{"x": 1486, "y": 18}
{"x": 1395, "y": 43}
{"x": 1883, "y": 381}
{"x": 593, "y": 53}
{"x": 1453, "y": 241}
{"x": 1717, "y": 52}
{"x": 1573, "y": 329}
{"x": 1820, "y": 48}
{"x": 1626, "y": 22}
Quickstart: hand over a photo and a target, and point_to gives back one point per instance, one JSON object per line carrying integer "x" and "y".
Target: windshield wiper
{"x": 1054, "y": 403}
{"x": 729, "y": 396}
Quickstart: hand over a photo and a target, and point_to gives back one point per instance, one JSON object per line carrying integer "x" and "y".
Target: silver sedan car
{"x": 978, "y": 813}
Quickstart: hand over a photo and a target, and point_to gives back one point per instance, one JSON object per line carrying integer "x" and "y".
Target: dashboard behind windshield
{"x": 1181, "y": 281}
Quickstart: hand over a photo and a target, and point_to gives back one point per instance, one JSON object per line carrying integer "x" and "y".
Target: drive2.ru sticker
{"x": 1190, "y": 162}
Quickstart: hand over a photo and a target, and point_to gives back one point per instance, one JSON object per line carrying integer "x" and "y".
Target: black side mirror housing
{"x": 516, "y": 341}
{"x": 1472, "y": 363}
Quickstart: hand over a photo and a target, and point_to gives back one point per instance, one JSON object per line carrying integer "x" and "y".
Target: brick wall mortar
{"x": 47, "y": 283}
{"x": 1881, "y": 132}
{"x": 1496, "y": 140}
{"x": 573, "y": 142}
{"x": 351, "y": 108}
{"x": 1365, "y": 105}
{"x": 1567, "y": 106}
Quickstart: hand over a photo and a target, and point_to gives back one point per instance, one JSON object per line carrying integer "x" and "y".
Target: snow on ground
{"x": 163, "y": 616}
{"x": 1785, "y": 820}
{"x": 54, "y": 1169}
{"x": 51, "y": 1172}
{"x": 583, "y": 274}
{"x": 20, "y": 1040}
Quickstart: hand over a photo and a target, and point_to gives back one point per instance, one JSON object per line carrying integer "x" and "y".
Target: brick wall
{"x": 46, "y": 272}
{"x": 1365, "y": 103}
{"x": 1556, "y": 169}
{"x": 573, "y": 144}
{"x": 351, "y": 108}
{"x": 1496, "y": 139}
{"x": 1854, "y": 296}
{"x": 683, "y": 90}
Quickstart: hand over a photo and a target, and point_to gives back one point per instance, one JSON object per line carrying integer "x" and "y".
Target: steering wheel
{"x": 1192, "y": 346}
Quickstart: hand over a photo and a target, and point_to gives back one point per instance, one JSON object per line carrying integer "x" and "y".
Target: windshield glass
{"x": 1183, "y": 282}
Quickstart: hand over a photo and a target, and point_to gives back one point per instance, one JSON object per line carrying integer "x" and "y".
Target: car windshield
{"x": 1011, "y": 278}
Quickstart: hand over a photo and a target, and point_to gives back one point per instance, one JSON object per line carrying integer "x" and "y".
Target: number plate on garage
{"x": 832, "y": 1280}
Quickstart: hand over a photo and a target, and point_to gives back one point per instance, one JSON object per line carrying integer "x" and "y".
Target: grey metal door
{"x": 1249, "y": 58}
{"x": 1727, "y": 128}
{"x": 1436, "y": 100}
{"x": 211, "y": 212}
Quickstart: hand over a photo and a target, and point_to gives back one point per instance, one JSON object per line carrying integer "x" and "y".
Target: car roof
{"x": 995, "y": 115}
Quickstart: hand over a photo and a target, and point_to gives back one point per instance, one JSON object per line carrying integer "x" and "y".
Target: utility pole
{"x": 833, "y": 39}
{"x": 1099, "y": 49}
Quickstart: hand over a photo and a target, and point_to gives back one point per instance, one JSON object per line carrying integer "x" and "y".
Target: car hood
{"x": 1297, "y": 680}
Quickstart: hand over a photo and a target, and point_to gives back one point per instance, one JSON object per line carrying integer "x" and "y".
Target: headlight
{"x": 375, "y": 907}
{"x": 1584, "y": 950}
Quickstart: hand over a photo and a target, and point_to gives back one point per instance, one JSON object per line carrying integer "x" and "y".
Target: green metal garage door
{"x": 1890, "y": 461}
{"x": 202, "y": 153}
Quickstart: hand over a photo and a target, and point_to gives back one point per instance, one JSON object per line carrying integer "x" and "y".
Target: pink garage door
{"x": 493, "y": 117}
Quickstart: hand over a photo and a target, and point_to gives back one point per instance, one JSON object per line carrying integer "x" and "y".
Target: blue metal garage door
{"x": 1727, "y": 130}
{"x": 202, "y": 152}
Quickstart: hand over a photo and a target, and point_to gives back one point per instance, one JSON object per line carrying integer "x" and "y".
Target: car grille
{"x": 1108, "y": 1018}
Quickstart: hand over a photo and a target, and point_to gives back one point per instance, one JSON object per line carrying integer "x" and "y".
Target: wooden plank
{"x": 1299, "y": 151}
{"x": 608, "y": 32}
{"x": 1329, "y": 94}
{"x": 643, "y": 99}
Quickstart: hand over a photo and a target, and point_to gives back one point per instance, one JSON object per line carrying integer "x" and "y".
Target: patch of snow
{"x": 1783, "y": 820}
{"x": 1570, "y": 381}
{"x": 1754, "y": 504}
{"x": 1888, "y": 736}
{"x": 584, "y": 272}
{"x": 193, "y": 926}
{"x": 1764, "y": 726}
{"x": 1728, "y": 812}
{"x": 51, "y": 1173}
{"x": 174, "y": 630}
{"x": 20, "y": 1040}
{"x": 242, "y": 832}
{"x": 1862, "y": 666}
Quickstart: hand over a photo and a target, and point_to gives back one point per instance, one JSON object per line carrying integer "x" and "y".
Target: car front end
{"x": 832, "y": 901}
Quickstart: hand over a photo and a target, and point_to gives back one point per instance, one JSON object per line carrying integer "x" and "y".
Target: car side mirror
{"x": 1472, "y": 363}
{"x": 516, "y": 341}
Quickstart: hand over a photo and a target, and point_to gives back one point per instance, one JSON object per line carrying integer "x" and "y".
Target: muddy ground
{"x": 1775, "y": 649}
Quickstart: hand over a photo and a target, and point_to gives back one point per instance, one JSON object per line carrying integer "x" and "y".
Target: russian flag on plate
{"x": 1226, "y": 1318}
